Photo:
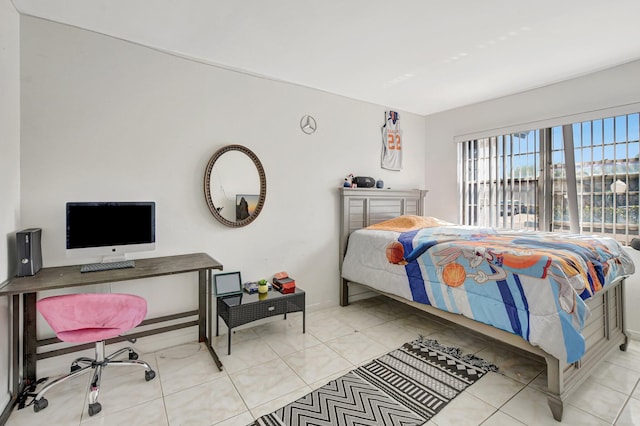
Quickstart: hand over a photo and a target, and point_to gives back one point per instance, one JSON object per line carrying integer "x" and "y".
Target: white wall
{"x": 105, "y": 119}
{"x": 9, "y": 170}
{"x": 606, "y": 89}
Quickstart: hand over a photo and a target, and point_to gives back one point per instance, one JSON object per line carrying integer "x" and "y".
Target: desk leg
{"x": 202, "y": 304}
{"x": 203, "y": 276}
{"x": 29, "y": 337}
{"x": 15, "y": 386}
{"x": 209, "y": 307}
{"x": 15, "y": 343}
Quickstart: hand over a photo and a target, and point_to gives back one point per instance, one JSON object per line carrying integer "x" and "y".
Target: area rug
{"x": 407, "y": 386}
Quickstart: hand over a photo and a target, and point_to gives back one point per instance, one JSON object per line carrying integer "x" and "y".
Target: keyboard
{"x": 95, "y": 267}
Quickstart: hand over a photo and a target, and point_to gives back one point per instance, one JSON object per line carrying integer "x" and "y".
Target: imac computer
{"x": 109, "y": 230}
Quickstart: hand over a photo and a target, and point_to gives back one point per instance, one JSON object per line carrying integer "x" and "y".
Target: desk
{"x": 70, "y": 276}
{"x": 242, "y": 309}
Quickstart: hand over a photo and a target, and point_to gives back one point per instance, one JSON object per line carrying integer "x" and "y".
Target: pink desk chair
{"x": 84, "y": 318}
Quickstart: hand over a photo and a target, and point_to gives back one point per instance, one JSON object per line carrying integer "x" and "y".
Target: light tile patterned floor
{"x": 273, "y": 364}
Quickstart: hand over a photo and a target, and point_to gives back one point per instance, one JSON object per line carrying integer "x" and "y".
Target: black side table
{"x": 245, "y": 308}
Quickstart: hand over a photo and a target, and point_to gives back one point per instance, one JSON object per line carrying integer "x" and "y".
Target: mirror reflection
{"x": 235, "y": 185}
{"x": 234, "y": 180}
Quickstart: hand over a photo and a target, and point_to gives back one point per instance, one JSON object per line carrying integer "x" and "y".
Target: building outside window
{"x": 536, "y": 179}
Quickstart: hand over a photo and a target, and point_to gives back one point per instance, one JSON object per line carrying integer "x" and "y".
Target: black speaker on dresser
{"x": 29, "y": 252}
{"x": 364, "y": 182}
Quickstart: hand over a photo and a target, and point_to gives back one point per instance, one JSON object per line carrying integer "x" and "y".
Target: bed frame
{"x": 603, "y": 331}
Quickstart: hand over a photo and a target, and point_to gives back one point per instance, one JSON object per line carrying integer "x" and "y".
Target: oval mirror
{"x": 235, "y": 185}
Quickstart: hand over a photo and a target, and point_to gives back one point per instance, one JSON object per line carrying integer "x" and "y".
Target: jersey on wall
{"x": 391, "y": 142}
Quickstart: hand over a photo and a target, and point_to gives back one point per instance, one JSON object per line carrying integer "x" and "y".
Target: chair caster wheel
{"x": 40, "y": 404}
{"x": 75, "y": 367}
{"x": 133, "y": 355}
{"x": 149, "y": 375}
{"x": 94, "y": 408}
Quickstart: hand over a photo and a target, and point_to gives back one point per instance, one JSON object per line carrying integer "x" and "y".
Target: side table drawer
{"x": 243, "y": 314}
{"x": 269, "y": 308}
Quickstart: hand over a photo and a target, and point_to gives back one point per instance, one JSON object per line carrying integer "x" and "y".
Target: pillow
{"x": 408, "y": 223}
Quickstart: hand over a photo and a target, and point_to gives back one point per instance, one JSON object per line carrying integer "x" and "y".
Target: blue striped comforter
{"x": 530, "y": 284}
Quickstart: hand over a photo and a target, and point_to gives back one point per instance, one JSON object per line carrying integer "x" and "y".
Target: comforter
{"x": 532, "y": 284}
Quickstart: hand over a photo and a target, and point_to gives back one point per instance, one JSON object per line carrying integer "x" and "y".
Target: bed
{"x": 552, "y": 295}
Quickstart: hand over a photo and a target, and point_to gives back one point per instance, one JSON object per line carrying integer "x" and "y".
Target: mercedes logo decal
{"x": 308, "y": 124}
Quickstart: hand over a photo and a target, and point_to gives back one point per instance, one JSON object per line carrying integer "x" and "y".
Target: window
{"x": 501, "y": 176}
{"x": 536, "y": 180}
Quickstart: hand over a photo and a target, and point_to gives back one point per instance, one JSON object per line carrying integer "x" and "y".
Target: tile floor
{"x": 273, "y": 363}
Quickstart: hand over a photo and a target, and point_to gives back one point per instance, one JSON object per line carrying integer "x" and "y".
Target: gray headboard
{"x": 361, "y": 207}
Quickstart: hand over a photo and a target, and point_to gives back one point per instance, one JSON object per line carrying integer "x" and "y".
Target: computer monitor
{"x": 110, "y": 230}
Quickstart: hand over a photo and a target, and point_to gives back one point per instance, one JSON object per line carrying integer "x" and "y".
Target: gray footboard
{"x": 603, "y": 331}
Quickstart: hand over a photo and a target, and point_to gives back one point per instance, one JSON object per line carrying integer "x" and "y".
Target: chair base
{"x": 83, "y": 365}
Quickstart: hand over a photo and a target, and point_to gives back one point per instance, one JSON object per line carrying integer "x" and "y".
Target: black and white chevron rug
{"x": 407, "y": 386}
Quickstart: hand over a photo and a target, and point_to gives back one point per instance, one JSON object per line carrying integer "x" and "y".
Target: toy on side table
{"x": 262, "y": 286}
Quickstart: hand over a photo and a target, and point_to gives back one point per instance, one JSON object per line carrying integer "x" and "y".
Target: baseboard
{"x": 633, "y": 335}
{"x": 319, "y": 306}
{"x": 362, "y": 296}
{"x": 57, "y": 365}
{"x": 8, "y": 405}
{"x": 157, "y": 342}
{"x": 358, "y": 292}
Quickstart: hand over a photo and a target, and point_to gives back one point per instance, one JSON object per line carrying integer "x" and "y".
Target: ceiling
{"x": 421, "y": 56}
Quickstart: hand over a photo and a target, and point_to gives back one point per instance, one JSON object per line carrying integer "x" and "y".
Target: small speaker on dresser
{"x": 364, "y": 181}
{"x": 29, "y": 252}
